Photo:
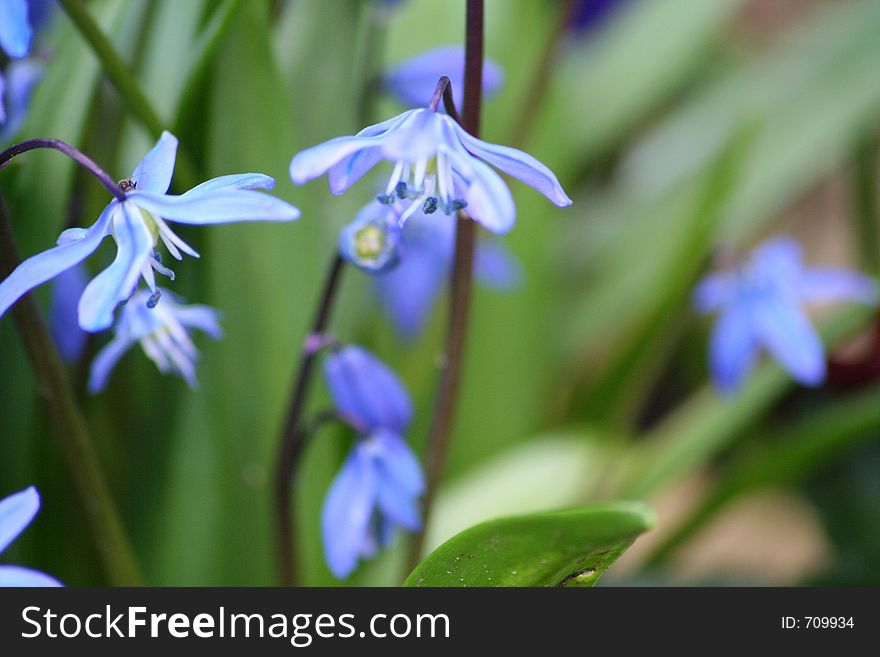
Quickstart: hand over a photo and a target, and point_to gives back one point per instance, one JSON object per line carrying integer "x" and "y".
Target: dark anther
{"x": 385, "y": 199}
{"x": 455, "y": 206}
{"x": 157, "y": 257}
{"x": 400, "y": 190}
{"x": 430, "y": 205}
{"x": 154, "y": 299}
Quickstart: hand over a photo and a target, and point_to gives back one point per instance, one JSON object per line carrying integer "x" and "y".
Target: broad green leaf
{"x": 559, "y": 548}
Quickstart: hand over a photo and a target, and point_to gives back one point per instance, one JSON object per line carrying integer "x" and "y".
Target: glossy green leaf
{"x": 558, "y": 548}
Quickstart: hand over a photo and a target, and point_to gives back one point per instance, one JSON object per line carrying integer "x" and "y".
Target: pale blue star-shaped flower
{"x": 412, "y": 81}
{"x": 437, "y": 166}
{"x": 162, "y": 330}
{"x": 760, "y": 306}
{"x": 378, "y": 486}
{"x": 16, "y": 512}
{"x": 137, "y": 224}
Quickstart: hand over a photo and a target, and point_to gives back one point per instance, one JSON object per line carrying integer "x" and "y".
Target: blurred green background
{"x": 678, "y": 127}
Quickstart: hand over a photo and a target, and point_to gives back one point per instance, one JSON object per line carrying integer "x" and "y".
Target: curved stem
{"x": 443, "y": 91}
{"x": 462, "y": 284}
{"x": 84, "y": 466}
{"x": 293, "y": 436}
{"x": 78, "y": 156}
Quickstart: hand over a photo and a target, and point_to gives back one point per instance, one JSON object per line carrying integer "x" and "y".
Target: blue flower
{"x": 15, "y": 95}
{"x": 590, "y": 14}
{"x": 163, "y": 331}
{"x": 760, "y": 306}
{"x": 377, "y": 489}
{"x": 67, "y": 288}
{"x": 137, "y": 224}
{"x": 16, "y": 513}
{"x": 15, "y": 29}
{"x": 437, "y": 165}
{"x": 409, "y": 291}
{"x": 412, "y": 82}
{"x": 380, "y": 482}
{"x": 372, "y": 241}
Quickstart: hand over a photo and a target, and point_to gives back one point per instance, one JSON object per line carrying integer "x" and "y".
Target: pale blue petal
{"x": 106, "y": 360}
{"x": 352, "y": 168}
{"x": 819, "y": 284}
{"x": 347, "y": 512}
{"x": 732, "y": 348}
{"x": 201, "y": 317}
{"x": 21, "y": 78}
{"x": 154, "y": 172}
{"x": 413, "y": 81}
{"x": 489, "y": 201}
{"x": 408, "y": 292}
{"x": 116, "y": 283}
{"x": 779, "y": 259}
{"x": 713, "y": 292}
{"x": 18, "y": 577}
{"x": 496, "y": 266}
{"x": 317, "y": 160}
{"x": 67, "y": 288}
{"x": 2, "y": 107}
{"x": 216, "y": 208}
{"x": 40, "y": 268}
{"x": 16, "y": 513}
{"x": 397, "y": 505}
{"x": 513, "y": 162}
{"x": 366, "y": 391}
{"x": 397, "y": 462}
{"x": 788, "y": 335}
{"x": 15, "y": 30}
{"x": 234, "y": 181}
{"x": 419, "y": 135}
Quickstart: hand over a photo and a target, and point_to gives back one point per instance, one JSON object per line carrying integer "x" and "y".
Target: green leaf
{"x": 558, "y": 548}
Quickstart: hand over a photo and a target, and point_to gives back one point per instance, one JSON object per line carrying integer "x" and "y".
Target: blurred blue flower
{"x": 15, "y": 38}
{"x": 760, "y": 306}
{"x": 437, "y": 166}
{"x": 67, "y": 288}
{"x": 381, "y": 480}
{"x": 163, "y": 331}
{"x": 409, "y": 291}
{"x": 16, "y": 513}
{"x": 372, "y": 241}
{"x": 15, "y": 95}
{"x": 137, "y": 224}
{"x": 376, "y": 490}
{"x": 590, "y": 14}
{"x": 366, "y": 392}
{"x": 412, "y": 82}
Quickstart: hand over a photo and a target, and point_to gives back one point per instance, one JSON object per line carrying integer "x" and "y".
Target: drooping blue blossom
{"x": 137, "y": 224}
{"x": 15, "y": 94}
{"x": 378, "y": 486}
{"x": 588, "y": 15}
{"x": 408, "y": 292}
{"x": 372, "y": 241}
{"x": 69, "y": 337}
{"x": 412, "y": 82}
{"x": 760, "y": 306}
{"x": 16, "y": 512}
{"x": 376, "y": 490}
{"x": 437, "y": 166}
{"x": 163, "y": 331}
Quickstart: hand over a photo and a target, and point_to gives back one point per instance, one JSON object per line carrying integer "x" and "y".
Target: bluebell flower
{"x": 137, "y": 224}
{"x": 380, "y": 482}
{"x": 376, "y": 490}
{"x": 15, "y": 94}
{"x": 163, "y": 331}
{"x": 16, "y": 513}
{"x": 760, "y": 306}
{"x": 412, "y": 82}
{"x": 437, "y": 166}
{"x": 409, "y": 291}
{"x": 67, "y": 288}
{"x": 372, "y": 241}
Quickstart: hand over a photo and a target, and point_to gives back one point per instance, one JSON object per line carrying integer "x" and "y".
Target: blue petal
{"x": 489, "y": 201}
{"x": 713, "y": 292}
{"x": 351, "y": 168}
{"x": 216, "y": 208}
{"x": 366, "y": 391}
{"x": 418, "y": 135}
{"x": 513, "y": 162}
{"x": 317, "y": 160}
{"x": 154, "y": 172}
{"x": 413, "y": 81}
{"x": 116, "y": 283}
{"x": 372, "y": 242}
{"x": 732, "y": 348}
{"x": 67, "y": 288}
{"x": 396, "y": 462}
{"x": 21, "y": 78}
{"x": 347, "y": 512}
{"x": 2, "y": 106}
{"x": 16, "y": 576}
{"x": 787, "y": 333}
{"x": 200, "y": 317}
{"x": 234, "y": 181}
{"x": 40, "y": 268}
{"x": 496, "y": 266}
{"x": 398, "y": 506}
{"x": 779, "y": 259}
{"x": 15, "y": 30}
{"x": 16, "y": 513}
{"x": 828, "y": 284}
{"x": 105, "y": 361}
